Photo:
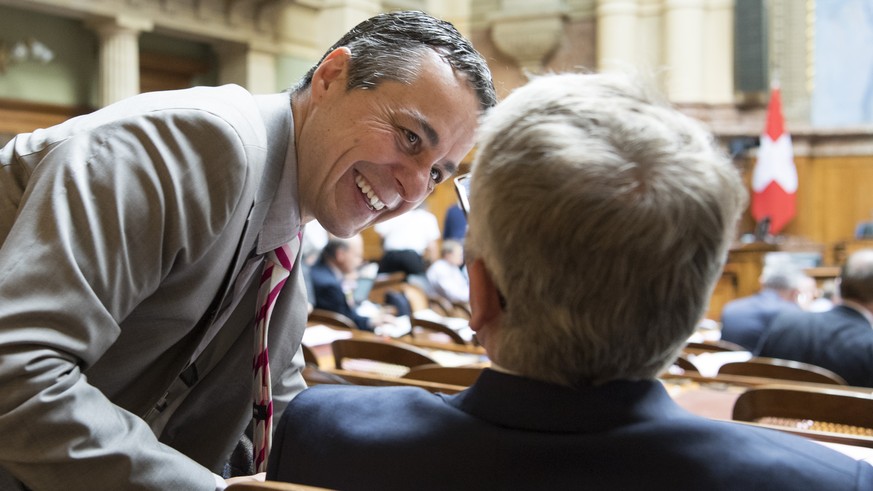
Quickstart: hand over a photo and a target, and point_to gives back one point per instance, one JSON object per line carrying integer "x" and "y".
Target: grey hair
{"x": 388, "y": 47}
{"x": 783, "y": 277}
{"x": 604, "y": 217}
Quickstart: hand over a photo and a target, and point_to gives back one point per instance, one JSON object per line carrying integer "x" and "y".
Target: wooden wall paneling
{"x": 23, "y": 116}
{"x": 805, "y": 220}
{"x": 841, "y": 199}
{"x": 833, "y": 196}
{"x": 159, "y": 71}
{"x": 723, "y": 292}
{"x": 812, "y": 214}
{"x": 835, "y": 215}
{"x": 857, "y": 175}
{"x": 747, "y": 262}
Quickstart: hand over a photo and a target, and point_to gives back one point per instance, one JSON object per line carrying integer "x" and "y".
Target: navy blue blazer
{"x": 840, "y": 340}
{"x": 744, "y": 320}
{"x": 508, "y": 432}
{"x": 329, "y": 295}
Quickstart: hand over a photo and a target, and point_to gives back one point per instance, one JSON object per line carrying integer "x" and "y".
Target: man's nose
{"x": 414, "y": 179}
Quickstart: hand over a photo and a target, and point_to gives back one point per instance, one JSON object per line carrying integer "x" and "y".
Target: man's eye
{"x": 436, "y": 175}
{"x": 411, "y": 137}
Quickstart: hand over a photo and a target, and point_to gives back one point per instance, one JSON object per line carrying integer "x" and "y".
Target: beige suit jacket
{"x": 124, "y": 235}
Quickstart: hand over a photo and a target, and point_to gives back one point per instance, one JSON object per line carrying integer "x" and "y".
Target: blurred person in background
{"x": 745, "y": 320}
{"x": 446, "y": 275}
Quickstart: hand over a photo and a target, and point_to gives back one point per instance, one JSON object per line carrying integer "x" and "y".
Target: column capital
{"x": 119, "y": 23}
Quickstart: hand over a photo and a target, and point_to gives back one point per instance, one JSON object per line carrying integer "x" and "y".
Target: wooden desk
{"x": 746, "y": 381}
{"x": 822, "y": 274}
{"x": 433, "y": 342}
{"x": 375, "y": 379}
{"x": 714, "y": 397}
{"x": 446, "y": 354}
{"x": 707, "y": 400}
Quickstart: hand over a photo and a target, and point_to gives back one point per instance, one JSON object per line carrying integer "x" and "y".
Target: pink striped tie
{"x": 277, "y": 268}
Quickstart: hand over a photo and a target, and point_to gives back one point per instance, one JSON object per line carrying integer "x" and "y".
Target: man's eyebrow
{"x": 434, "y": 139}
{"x": 430, "y": 133}
{"x": 451, "y": 167}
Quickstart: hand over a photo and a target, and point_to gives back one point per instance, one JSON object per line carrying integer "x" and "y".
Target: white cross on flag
{"x": 774, "y": 180}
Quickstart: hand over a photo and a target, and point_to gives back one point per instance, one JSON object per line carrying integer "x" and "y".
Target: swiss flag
{"x": 774, "y": 180}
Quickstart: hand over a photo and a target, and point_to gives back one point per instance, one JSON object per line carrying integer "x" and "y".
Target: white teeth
{"x": 364, "y": 186}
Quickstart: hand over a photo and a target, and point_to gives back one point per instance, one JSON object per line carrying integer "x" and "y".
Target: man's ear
{"x": 331, "y": 70}
{"x": 484, "y": 296}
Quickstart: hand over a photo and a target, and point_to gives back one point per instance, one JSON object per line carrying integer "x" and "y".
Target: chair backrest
{"x": 330, "y": 318}
{"x": 817, "y": 409}
{"x": 776, "y": 368}
{"x": 447, "y": 308}
{"x": 415, "y": 295}
{"x": 440, "y": 305}
{"x": 385, "y": 282}
{"x": 462, "y": 310}
{"x": 465, "y": 376}
{"x": 309, "y": 356}
{"x": 270, "y": 486}
{"x": 337, "y": 376}
{"x": 718, "y": 345}
{"x": 391, "y": 352}
{"x": 419, "y": 325}
{"x": 685, "y": 364}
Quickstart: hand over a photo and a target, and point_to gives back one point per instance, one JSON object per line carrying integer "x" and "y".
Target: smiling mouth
{"x": 373, "y": 201}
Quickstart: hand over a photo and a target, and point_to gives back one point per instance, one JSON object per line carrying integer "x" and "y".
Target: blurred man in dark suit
{"x": 840, "y": 339}
{"x": 745, "y": 319}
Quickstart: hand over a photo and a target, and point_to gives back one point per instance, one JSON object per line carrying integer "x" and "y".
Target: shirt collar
{"x": 282, "y": 221}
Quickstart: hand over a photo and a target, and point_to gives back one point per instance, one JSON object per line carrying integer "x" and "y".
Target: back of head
{"x": 336, "y": 244}
{"x": 782, "y": 277}
{"x": 604, "y": 218}
{"x": 386, "y": 47}
{"x": 856, "y": 277}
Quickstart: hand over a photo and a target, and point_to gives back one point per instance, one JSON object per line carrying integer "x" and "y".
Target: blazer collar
{"x": 276, "y": 204}
{"x": 523, "y": 403}
{"x": 856, "y": 308}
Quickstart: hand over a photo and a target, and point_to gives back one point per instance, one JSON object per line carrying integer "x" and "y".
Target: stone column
{"x": 119, "y": 56}
{"x": 338, "y": 16}
{"x": 685, "y": 31}
{"x": 617, "y": 28}
{"x": 252, "y": 66}
{"x": 718, "y": 68}
{"x": 458, "y": 12}
{"x": 649, "y": 43}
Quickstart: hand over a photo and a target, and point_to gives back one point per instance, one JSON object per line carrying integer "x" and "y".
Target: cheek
{"x": 377, "y": 140}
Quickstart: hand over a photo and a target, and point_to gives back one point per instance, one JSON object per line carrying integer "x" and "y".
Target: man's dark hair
{"x": 334, "y": 245}
{"x": 856, "y": 277}
{"x": 387, "y": 47}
